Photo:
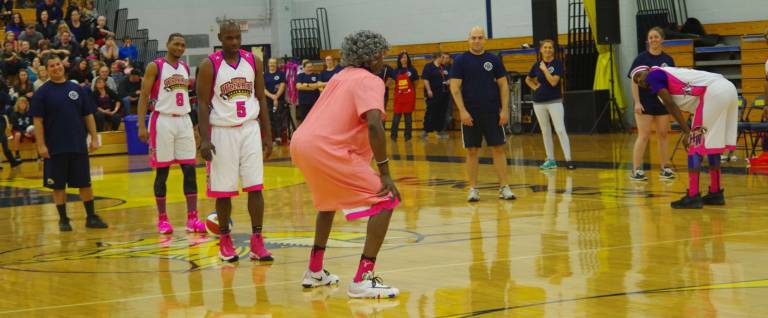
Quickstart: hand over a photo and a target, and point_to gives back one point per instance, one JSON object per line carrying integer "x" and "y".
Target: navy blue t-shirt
{"x": 325, "y": 75}
{"x": 413, "y": 76}
{"x": 308, "y": 97}
{"x": 437, "y": 76}
{"x": 385, "y": 74}
{"x": 546, "y": 92}
{"x": 62, "y": 107}
{"x": 478, "y": 74}
{"x": 273, "y": 80}
{"x": 648, "y": 98}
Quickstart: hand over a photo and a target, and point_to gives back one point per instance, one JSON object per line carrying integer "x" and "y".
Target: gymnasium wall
{"x": 718, "y": 11}
{"x": 199, "y": 17}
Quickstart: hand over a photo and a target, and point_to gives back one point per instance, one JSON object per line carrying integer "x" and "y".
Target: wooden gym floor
{"x": 583, "y": 243}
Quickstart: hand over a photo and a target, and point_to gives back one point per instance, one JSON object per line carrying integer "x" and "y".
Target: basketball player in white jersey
{"x": 165, "y": 92}
{"x": 712, "y": 101}
{"x": 230, "y": 88}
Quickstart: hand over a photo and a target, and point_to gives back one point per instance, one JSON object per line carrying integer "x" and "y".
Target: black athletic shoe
{"x": 714, "y": 198}
{"x": 15, "y": 163}
{"x": 95, "y": 222}
{"x": 569, "y": 165}
{"x": 688, "y": 202}
{"x": 64, "y": 225}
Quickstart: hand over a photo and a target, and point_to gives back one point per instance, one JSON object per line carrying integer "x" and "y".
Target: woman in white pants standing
{"x": 544, "y": 80}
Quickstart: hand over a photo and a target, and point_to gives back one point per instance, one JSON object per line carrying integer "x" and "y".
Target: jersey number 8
{"x": 179, "y": 99}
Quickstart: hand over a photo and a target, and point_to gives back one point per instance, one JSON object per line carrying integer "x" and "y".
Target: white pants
{"x": 238, "y": 154}
{"x": 554, "y": 110}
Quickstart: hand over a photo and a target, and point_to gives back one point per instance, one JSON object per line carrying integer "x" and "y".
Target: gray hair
{"x": 361, "y": 48}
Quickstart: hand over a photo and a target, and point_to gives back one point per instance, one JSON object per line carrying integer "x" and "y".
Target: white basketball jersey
{"x": 687, "y": 86}
{"x": 233, "y": 101}
{"x": 170, "y": 93}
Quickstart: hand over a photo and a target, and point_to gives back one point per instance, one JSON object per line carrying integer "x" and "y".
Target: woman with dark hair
{"x": 544, "y": 79}
{"x": 650, "y": 113}
{"x": 17, "y": 24}
{"x": 80, "y": 30}
{"x": 107, "y": 105}
{"x": 404, "y": 95}
{"x": 24, "y": 86}
{"x": 336, "y": 159}
{"x": 81, "y": 73}
{"x": 45, "y": 26}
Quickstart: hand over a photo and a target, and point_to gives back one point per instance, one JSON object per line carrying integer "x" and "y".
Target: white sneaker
{"x": 506, "y": 193}
{"x": 667, "y": 174}
{"x": 371, "y": 287}
{"x": 474, "y": 195}
{"x": 321, "y": 278}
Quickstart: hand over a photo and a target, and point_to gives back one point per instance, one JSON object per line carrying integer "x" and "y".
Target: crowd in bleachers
{"x": 91, "y": 55}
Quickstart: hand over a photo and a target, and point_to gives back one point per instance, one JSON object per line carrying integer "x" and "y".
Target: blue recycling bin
{"x": 135, "y": 146}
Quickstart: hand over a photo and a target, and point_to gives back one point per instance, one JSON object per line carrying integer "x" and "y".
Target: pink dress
{"x": 332, "y": 150}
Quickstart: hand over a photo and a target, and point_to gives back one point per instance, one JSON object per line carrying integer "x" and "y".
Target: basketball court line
{"x": 414, "y": 268}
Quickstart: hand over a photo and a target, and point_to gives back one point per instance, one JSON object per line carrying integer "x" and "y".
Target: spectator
{"x": 53, "y": 9}
{"x": 42, "y": 77}
{"x": 107, "y": 105}
{"x": 24, "y": 87}
{"x": 100, "y": 32}
{"x": 31, "y": 36}
{"x": 436, "y": 94}
{"x": 5, "y": 102}
{"x": 104, "y": 74}
{"x": 32, "y": 69}
{"x": 81, "y": 73}
{"x": 109, "y": 51}
{"x": 67, "y": 47}
{"x": 331, "y": 68}
{"x": 95, "y": 67}
{"x": 21, "y": 125}
{"x": 128, "y": 52}
{"x": 17, "y": 24}
{"x": 308, "y": 84}
{"x": 274, "y": 87}
{"x": 404, "y": 95}
{"x": 89, "y": 12}
{"x": 25, "y": 53}
{"x": 80, "y": 31}
{"x": 6, "y": 11}
{"x": 60, "y": 29}
{"x": 10, "y": 37}
{"x": 45, "y": 27}
{"x": 43, "y": 47}
{"x": 11, "y": 63}
{"x": 89, "y": 50}
{"x": 129, "y": 91}
{"x": 74, "y": 5}
{"x": 118, "y": 73}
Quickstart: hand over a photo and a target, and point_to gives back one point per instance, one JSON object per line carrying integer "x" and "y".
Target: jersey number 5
{"x": 241, "y": 109}
{"x": 179, "y": 99}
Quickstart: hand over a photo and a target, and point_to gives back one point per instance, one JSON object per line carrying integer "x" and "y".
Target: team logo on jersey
{"x": 314, "y": 78}
{"x": 551, "y": 69}
{"x": 696, "y": 138}
{"x": 687, "y": 89}
{"x": 664, "y": 64}
{"x": 73, "y": 95}
{"x": 277, "y": 77}
{"x": 175, "y": 82}
{"x": 237, "y": 86}
{"x": 488, "y": 66}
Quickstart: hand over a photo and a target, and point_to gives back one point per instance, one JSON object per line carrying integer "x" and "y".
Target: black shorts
{"x": 67, "y": 169}
{"x": 302, "y": 111}
{"x": 655, "y": 110}
{"x": 484, "y": 126}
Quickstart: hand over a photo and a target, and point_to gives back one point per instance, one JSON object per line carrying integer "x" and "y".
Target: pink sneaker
{"x": 163, "y": 226}
{"x": 227, "y": 249}
{"x": 258, "y": 251}
{"x": 194, "y": 225}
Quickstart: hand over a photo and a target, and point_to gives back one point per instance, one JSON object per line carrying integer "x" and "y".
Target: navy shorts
{"x": 655, "y": 110}
{"x": 67, "y": 169}
{"x": 484, "y": 126}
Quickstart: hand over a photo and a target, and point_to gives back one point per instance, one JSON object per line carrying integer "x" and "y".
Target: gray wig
{"x": 361, "y": 48}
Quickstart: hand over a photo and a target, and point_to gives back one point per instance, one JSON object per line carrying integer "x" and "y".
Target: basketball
{"x": 212, "y": 223}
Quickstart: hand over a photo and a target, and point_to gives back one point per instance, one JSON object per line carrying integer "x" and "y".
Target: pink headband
{"x": 637, "y": 70}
